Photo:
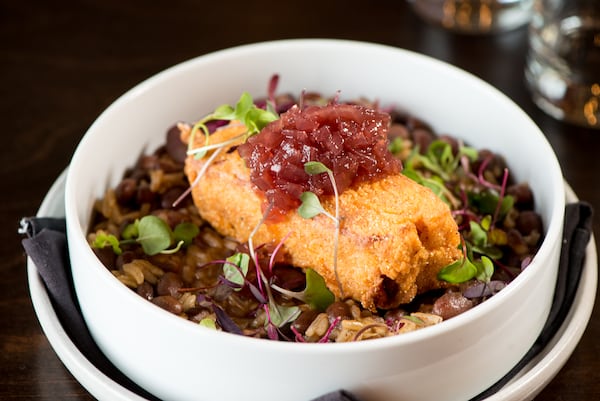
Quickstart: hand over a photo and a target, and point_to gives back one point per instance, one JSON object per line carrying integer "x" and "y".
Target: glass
{"x": 475, "y": 16}
{"x": 563, "y": 64}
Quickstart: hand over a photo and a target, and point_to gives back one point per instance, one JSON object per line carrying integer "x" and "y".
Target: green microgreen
{"x": 104, "y": 239}
{"x": 315, "y": 294}
{"x": 280, "y": 315}
{"x": 244, "y": 111}
{"x": 152, "y": 234}
{"x": 396, "y": 146}
{"x": 414, "y": 319}
{"x": 208, "y": 323}
{"x": 185, "y": 232}
{"x": 311, "y": 207}
{"x": 480, "y": 204}
{"x": 459, "y": 271}
{"x": 236, "y": 268}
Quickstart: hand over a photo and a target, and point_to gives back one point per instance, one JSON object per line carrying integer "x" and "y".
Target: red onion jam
{"x": 351, "y": 140}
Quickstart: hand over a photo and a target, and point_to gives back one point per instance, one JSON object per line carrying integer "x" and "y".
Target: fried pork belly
{"x": 395, "y": 235}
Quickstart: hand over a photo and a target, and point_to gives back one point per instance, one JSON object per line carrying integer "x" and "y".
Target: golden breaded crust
{"x": 395, "y": 234}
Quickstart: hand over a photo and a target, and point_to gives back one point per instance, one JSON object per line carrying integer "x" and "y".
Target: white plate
{"x": 525, "y": 386}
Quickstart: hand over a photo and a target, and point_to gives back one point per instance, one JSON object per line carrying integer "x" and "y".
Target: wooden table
{"x": 63, "y": 62}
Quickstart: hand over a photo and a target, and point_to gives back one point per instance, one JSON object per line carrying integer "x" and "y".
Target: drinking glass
{"x": 475, "y": 16}
{"x": 563, "y": 63}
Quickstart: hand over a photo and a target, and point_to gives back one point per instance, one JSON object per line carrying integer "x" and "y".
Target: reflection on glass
{"x": 475, "y": 16}
{"x": 563, "y": 66}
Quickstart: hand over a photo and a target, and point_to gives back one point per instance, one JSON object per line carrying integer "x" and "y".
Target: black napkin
{"x": 576, "y": 234}
{"x": 46, "y": 245}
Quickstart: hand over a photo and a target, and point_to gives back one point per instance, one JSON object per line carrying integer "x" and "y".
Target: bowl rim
{"x": 552, "y": 233}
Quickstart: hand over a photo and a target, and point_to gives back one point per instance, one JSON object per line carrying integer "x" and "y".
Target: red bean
{"x": 126, "y": 191}
{"x": 338, "y": 309}
{"x": 168, "y": 303}
{"x": 169, "y": 284}
{"x": 145, "y": 290}
{"x": 422, "y": 138}
{"x": 175, "y": 147}
{"x": 304, "y": 320}
{"x": 528, "y": 221}
{"x": 451, "y": 304}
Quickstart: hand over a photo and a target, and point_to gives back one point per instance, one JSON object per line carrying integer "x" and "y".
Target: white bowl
{"x": 177, "y": 360}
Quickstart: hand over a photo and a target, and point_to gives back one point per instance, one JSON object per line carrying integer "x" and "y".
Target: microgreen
{"x": 244, "y": 111}
{"x": 311, "y": 207}
{"x": 208, "y": 323}
{"x": 152, "y": 233}
{"x": 396, "y": 146}
{"x": 185, "y": 232}
{"x": 280, "y": 315}
{"x": 104, "y": 239}
{"x": 236, "y": 268}
{"x": 439, "y": 158}
{"x": 458, "y": 272}
{"x": 315, "y": 294}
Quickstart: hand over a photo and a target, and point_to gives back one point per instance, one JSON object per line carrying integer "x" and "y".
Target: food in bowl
{"x": 309, "y": 219}
{"x": 176, "y": 360}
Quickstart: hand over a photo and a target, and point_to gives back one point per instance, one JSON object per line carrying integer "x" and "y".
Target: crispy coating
{"x": 395, "y": 235}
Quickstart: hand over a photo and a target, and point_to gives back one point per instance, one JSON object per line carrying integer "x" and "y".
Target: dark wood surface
{"x": 63, "y": 62}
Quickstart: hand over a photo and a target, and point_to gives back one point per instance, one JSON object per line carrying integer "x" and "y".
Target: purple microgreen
{"x": 208, "y": 323}
{"x": 259, "y": 274}
{"x": 185, "y": 232}
{"x": 236, "y": 268}
{"x": 316, "y": 294}
{"x": 481, "y": 177}
{"x": 312, "y": 168}
{"x": 260, "y": 297}
{"x": 297, "y": 335}
{"x": 501, "y": 198}
{"x": 104, "y": 239}
{"x": 367, "y": 327}
{"x": 226, "y": 323}
{"x": 271, "y": 90}
{"x": 332, "y": 326}
{"x": 276, "y": 250}
{"x": 482, "y": 289}
{"x": 272, "y": 332}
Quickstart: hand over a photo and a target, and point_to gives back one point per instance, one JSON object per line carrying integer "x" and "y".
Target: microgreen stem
{"x": 198, "y": 177}
{"x": 482, "y": 179}
{"x": 325, "y": 337}
{"x": 261, "y": 277}
{"x": 336, "y": 233}
{"x": 298, "y": 336}
{"x": 206, "y": 148}
{"x": 501, "y": 196}
{"x": 362, "y": 331}
{"x": 276, "y": 250}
